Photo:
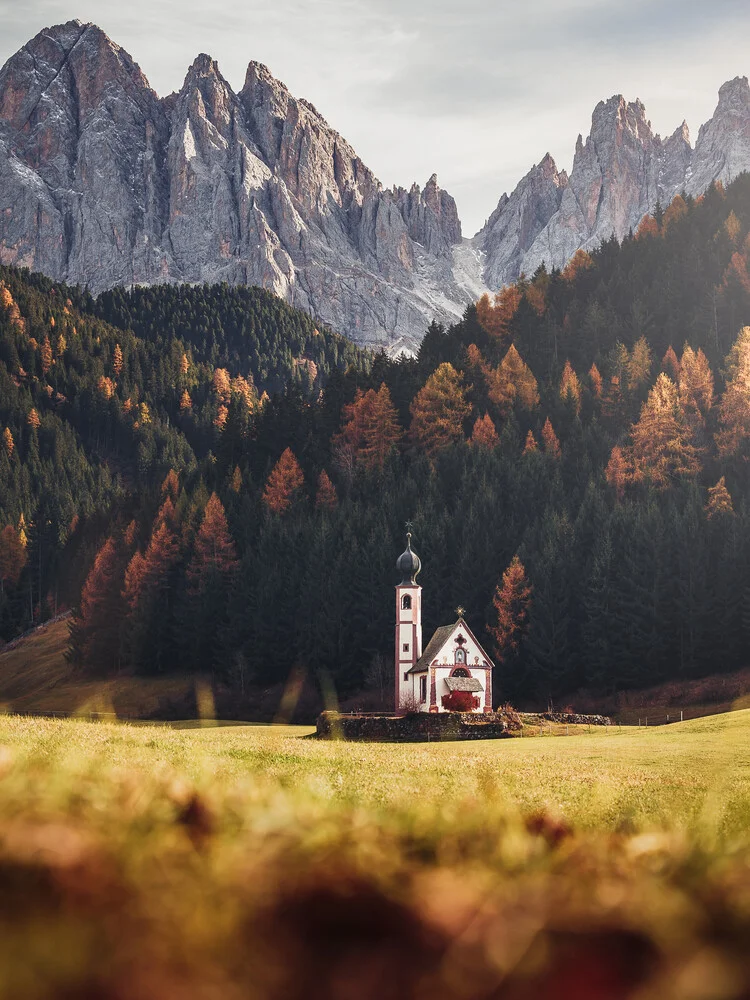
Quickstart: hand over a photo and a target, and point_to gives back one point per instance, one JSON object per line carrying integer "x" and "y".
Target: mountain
{"x": 619, "y": 174}
{"x": 104, "y": 183}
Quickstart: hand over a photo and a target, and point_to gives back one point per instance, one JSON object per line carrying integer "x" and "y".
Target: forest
{"x": 215, "y": 484}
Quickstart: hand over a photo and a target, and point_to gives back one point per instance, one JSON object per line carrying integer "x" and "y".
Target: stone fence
{"x": 425, "y": 727}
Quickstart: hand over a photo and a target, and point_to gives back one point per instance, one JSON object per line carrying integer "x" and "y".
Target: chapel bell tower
{"x": 408, "y": 621}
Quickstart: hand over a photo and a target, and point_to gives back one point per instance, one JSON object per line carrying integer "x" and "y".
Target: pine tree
{"x": 719, "y": 500}
{"x": 550, "y": 442}
{"x": 325, "y": 498}
{"x": 284, "y": 486}
{"x": 484, "y": 434}
{"x": 439, "y": 410}
{"x": 12, "y": 557}
{"x": 511, "y": 602}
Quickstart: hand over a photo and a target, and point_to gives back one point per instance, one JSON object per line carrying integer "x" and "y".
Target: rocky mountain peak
{"x": 734, "y": 95}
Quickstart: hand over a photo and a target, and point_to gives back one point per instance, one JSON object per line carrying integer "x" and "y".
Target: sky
{"x": 476, "y": 91}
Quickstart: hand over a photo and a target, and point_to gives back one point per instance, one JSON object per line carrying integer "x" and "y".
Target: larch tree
{"x": 95, "y": 630}
{"x": 284, "y": 485}
{"x": 45, "y": 354}
{"x": 570, "y": 388}
{"x": 511, "y": 601}
{"x": 171, "y": 486}
{"x": 670, "y": 364}
{"x": 595, "y": 379}
{"x": 550, "y": 442}
{"x": 638, "y": 365}
{"x": 530, "y": 445}
{"x": 8, "y": 442}
{"x": 325, "y": 496}
{"x": 696, "y": 389}
{"x": 484, "y": 434}
{"x": 149, "y": 593}
{"x": 117, "y": 361}
{"x": 512, "y": 383}
{"x": 617, "y": 472}
{"x": 496, "y": 316}
{"x": 381, "y": 429}
{"x": 734, "y": 408}
{"x": 439, "y": 410}
{"x": 662, "y": 449}
{"x": 210, "y": 575}
{"x": 719, "y": 500}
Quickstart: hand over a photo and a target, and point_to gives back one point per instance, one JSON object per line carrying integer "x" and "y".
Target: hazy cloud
{"x": 476, "y": 91}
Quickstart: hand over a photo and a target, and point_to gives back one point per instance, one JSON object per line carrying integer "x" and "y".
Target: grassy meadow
{"x": 250, "y": 861}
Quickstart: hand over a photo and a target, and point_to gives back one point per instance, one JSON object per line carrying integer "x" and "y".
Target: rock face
{"x": 102, "y": 183}
{"x": 618, "y": 175}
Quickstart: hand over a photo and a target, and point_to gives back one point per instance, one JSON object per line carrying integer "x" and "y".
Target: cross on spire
{"x": 460, "y": 611}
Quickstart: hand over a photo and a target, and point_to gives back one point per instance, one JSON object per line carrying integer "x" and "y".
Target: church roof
{"x": 436, "y": 643}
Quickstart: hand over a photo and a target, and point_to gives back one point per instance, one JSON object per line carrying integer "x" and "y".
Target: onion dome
{"x": 408, "y": 564}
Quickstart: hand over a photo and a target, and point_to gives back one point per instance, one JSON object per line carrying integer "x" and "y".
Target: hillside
{"x": 594, "y": 421}
{"x": 223, "y": 862}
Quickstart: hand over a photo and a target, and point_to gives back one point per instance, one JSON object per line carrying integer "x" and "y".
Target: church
{"x": 453, "y": 669}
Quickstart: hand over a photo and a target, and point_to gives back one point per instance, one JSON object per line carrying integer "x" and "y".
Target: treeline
{"x": 593, "y": 422}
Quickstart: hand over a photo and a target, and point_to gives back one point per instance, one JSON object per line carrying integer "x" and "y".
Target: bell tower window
{"x": 406, "y": 602}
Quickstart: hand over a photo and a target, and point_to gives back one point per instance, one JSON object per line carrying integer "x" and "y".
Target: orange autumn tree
{"x": 8, "y": 442}
{"x": 484, "y": 434}
{"x": 696, "y": 389}
{"x": 210, "y": 575}
{"x": 149, "y": 595}
{"x": 734, "y": 408}
{"x": 530, "y": 445}
{"x": 570, "y": 388}
{"x": 512, "y": 383}
{"x": 438, "y": 410}
{"x": 719, "y": 501}
{"x": 370, "y": 429}
{"x": 325, "y": 497}
{"x": 617, "y": 473}
{"x": 511, "y": 601}
{"x": 550, "y": 441}
{"x": 495, "y": 317}
{"x": 595, "y": 379}
{"x": 662, "y": 450}
{"x": 95, "y": 630}
{"x": 284, "y": 485}
{"x": 670, "y": 364}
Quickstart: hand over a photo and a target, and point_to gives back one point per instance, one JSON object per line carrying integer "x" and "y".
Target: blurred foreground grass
{"x": 150, "y": 862}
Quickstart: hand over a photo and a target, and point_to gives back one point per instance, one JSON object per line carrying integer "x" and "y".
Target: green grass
{"x": 149, "y": 861}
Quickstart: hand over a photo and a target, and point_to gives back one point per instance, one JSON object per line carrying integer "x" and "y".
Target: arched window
{"x": 460, "y": 656}
{"x": 460, "y": 672}
{"x": 406, "y": 602}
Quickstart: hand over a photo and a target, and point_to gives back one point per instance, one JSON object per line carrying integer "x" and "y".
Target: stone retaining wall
{"x": 421, "y": 727}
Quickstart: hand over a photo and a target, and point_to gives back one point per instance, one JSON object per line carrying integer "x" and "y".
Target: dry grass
{"x": 147, "y": 862}
{"x": 35, "y": 677}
